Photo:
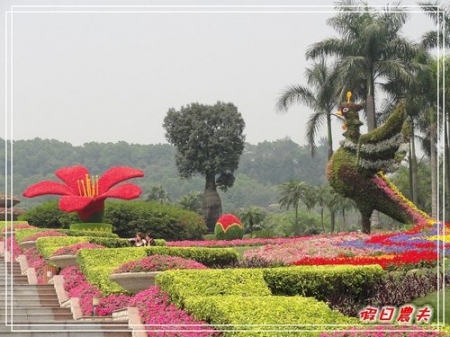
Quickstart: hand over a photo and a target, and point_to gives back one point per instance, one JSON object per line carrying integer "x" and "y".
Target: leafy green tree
{"x": 251, "y": 217}
{"x": 209, "y": 141}
{"x": 192, "y": 202}
{"x": 292, "y": 193}
{"x": 319, "y": 96}
{"x": 159, "y": 194}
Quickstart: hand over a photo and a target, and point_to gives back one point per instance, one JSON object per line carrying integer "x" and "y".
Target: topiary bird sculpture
{"x": 356, "y": 170}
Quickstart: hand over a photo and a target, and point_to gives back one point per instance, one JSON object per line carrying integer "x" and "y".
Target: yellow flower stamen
{"x": 88, "y": 187}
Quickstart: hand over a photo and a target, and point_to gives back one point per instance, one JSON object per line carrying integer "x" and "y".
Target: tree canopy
{"x": 209, "y": 141}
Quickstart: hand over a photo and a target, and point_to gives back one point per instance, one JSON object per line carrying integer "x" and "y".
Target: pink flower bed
{"x": 73, "y": 249}
{"x": 323, "y": 247}
{"x": 153, "y": 305}
{"x": 12, "y": 247}
{"x": 241, "y": 242}
{"x": 18, "y": 226}
{"x": 158, "y": 263}
{"x": 36, "y": 236}
{"x": 35, "y": 260}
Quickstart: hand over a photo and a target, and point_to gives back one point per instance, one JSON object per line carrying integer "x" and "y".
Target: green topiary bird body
{"x": 356, "y": 168}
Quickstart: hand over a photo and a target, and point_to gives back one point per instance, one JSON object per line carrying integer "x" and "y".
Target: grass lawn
{"x": 431, "y": 299}
{"x": 242, "y": 249}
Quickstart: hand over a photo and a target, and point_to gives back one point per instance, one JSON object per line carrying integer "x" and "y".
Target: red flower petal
{"x": 74, "y": 203}
{"x": 125, "y": 191}
{"x": 70, "y": 175}
{"x": 47, "y": 187}
{"x": 116, "y": 175}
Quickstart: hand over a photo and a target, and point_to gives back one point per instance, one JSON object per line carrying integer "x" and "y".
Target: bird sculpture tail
{"x": 397, "y": 206}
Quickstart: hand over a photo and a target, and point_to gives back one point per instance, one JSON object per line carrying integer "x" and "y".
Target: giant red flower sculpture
{"x": 86, "y": 194}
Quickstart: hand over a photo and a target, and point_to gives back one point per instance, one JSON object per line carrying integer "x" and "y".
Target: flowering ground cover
{"x": 157, "y": 313}
{"x": 73, "y": 249}
{"x": 323, "y": 247}
{"x": 158, "y": 263}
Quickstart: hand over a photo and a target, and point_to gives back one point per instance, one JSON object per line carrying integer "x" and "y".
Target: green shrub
{"x": 95, "y": 227}
{"x": 162, "y": 221}
{"x": 182, "y": 284}
{"x": 232, "y": 233}
{"x": 23, "y": 233}
{"x": 4, "y": 224}
{"x": 324, "y": 282}
{"x": 210, "y": 257}
{"x": 262, "y": 312}
{"x": 48, "y": 215}
{"x": 48, "y": 245}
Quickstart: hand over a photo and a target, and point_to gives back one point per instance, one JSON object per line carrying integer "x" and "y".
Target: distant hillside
{"x": 262, "y": 167}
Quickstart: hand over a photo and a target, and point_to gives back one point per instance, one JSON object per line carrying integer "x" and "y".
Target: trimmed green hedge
{"x": 210, "y": 257}
{"x": 322, "y": 282}
{"x": 23, "y": 233}
{"x": 3, "y": 224}
{"x": 97, "y": 265}
{"x": 48, "y": 245}
{"x": 182, "y": 284}
{"x": 48, "y": 215}
{"x": 93, "y": 261}
{"x": 296, "y": 313}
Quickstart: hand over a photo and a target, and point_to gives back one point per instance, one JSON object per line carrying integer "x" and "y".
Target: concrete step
{"x": 27, "y": 297}
{"x": 30, "y": 311}
{"x": 26, "y": 291}
{"x": 35, "y": 303}
{"x": 18, "y": 317}
{"x": 66, "y": 329}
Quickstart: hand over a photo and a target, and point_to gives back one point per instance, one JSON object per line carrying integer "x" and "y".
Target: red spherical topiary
{"x": 229, "y": 227}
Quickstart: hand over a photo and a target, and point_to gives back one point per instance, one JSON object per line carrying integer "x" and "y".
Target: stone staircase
{"x": 34, "y": 311}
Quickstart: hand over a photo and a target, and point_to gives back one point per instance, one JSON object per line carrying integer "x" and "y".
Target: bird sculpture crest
{"x": 356, "y": 170}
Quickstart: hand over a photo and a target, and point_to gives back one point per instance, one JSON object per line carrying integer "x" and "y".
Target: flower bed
{"x": 158, "y": 263}
{"x": 153, "y": 305}
{"x": 412, "y": 259}
{"x": 73, "y": 249}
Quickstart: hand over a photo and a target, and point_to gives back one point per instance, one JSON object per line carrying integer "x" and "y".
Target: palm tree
{"x": 318, "y": 96}
{"x": 440, "y": 15}
{"x": 192, "y": 202}
{"x": 370, "y": 49}
{"x": 292, "y": 193}
{"x": 319, "y": 197}
{"x": 252, "y": 216}
{"x": 440, "y": 38}
{"x": 158, "y": 193}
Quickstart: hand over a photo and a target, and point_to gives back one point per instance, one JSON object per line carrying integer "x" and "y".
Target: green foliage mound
{"x": 232, "y": 233}
{"x": 258, "y": 312}
{"x": 324, "y": 282}
{"x": 48, "y": 215}
{"x": 183, "y": 284}
{"x": 95, "y": 227}
{"x": 162, "y": 221}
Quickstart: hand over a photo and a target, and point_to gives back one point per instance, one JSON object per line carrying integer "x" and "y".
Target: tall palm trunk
{"x": 413, "y": 165}
{"x": 434, "y": 168}
{"x": 330, "y": 154}
{"x": 212, "y": 205}
{"x": 371, "y": 125}
{"x": 447, "y": 162}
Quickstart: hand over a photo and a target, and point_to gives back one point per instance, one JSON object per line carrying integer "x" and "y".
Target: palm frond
{"x": 295, "y": 94}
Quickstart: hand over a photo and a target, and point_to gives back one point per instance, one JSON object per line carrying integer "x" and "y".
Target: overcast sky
{"x": 111, "y": 76}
